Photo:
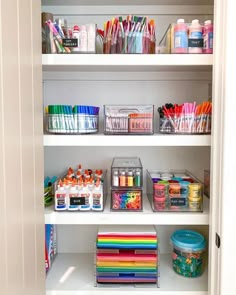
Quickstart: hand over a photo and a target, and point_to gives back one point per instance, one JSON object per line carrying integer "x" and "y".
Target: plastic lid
{"x": 180, "y": 21}
{"x": 208, "y": 22}
{"x": 188, "y": 240}
{"x": 195, "y": 22}
{"x": 76, "y": 28}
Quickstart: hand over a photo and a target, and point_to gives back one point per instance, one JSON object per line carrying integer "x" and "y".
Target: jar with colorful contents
{"x": 195, "y": 196}
{"x": 160, "y": 196}
{"x": 188, "y": 257}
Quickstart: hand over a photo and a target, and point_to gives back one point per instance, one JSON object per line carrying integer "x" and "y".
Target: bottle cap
{"x": 180, "y": 21}
{"x": 76, "y": 28}
{"x": 195, "y": 22}
{"x": 208, "y": 22}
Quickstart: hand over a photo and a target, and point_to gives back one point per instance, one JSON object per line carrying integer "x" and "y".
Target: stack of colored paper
{"x": 127, "y": 255}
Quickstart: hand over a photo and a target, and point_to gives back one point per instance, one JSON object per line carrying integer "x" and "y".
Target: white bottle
{"x": 86, "y": 194}
{"x": 195, "y": 37}
{"x": 73, "y": 199}
{"x": 97, "y": 197}
{"x": 60, "y": 198}
{"x": 91, "y": 29}
{"x": 115, "y": 178}
{"x": 83, "y": 40}
{"x": 76, "y": 35}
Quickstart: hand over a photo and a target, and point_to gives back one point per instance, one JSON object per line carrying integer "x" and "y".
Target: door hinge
{"x": 217, "y": 240}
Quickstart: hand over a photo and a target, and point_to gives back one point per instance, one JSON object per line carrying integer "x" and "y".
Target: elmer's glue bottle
{"x": 180, "y": 37}
{"x": 60, "y": 198}
{"x": 86, "y": 194}
{"x": 73, "y": 198}
{"x": 76, "y": 35}
{"x": 97, "y": 197}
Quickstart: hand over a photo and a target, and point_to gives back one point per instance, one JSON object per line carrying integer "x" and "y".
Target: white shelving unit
{"x": 112, "y": 79}
{"x": 73, "y": 270}
{"x": 147, "y": 217}
{"x": 103, "y": 140}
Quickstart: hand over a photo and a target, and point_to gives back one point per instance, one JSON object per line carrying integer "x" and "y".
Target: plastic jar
{"x": 188, "y": 258}
{"x": 159, "y": 196}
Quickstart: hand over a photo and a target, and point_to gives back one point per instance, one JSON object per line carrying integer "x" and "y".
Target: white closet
{"x": 133, "y": 79}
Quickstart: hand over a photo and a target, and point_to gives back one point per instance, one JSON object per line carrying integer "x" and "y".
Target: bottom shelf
{"x": 73, "y": 274}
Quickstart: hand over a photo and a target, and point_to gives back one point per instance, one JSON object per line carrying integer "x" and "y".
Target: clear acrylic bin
{"x": 128, "y": 119}
{"x": 126, "y": 173}
{"x": 174, "y": 190}
{"x": 207, "y": 183}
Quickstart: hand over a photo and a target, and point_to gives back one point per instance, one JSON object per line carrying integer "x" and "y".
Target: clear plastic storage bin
{"x": 174, "y": 191}
{"x": 128, "y": 119}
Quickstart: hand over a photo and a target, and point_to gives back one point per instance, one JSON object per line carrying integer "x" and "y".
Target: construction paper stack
{"x": 127, "y": 255}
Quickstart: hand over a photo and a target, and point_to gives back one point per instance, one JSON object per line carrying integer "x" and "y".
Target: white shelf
{"x": 134, "y": 140}
{"x": 147, "y": 217}
{"x": 124, "y": 2}
{"x": 119, "y": 62}
{"x": 73, "y": 274}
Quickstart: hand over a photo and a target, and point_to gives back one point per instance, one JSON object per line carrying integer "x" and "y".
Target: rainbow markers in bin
{"x": 64, "y": 119}
{"x": 127, "y": 255}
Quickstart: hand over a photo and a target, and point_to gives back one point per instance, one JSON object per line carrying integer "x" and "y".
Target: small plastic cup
{"x": 188, "y": 257}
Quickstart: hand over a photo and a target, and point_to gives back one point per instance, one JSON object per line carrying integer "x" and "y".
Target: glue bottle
{"x": 76, "y": 35}
{"x": 208, "y": 37}
{"x": 180, "y": 37}
{"x": 73, "y": 198}
{"x": 86, "y": 195}
{"x": 83, "y": 40}
{"x": 60, "y": 198}
{"x": 97, "y": 197}
{"x": 195, "y": 37}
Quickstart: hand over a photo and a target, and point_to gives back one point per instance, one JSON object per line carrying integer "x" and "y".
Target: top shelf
{"x": 125, "y": 2}
{"x": 100, "y": 62}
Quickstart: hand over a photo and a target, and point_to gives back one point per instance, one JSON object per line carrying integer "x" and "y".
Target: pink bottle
{"x": 180, "y": 37}
{"x": 208, "y": 37}
{"x": 195, "y": 37}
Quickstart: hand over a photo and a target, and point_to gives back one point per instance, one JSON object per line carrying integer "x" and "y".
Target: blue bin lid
{"x": 188, "y": 240}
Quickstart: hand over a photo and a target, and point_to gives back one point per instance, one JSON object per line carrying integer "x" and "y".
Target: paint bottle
{"x": 73, "y": 198}
{"x": 180, "y": 37}
{"x": 195, "y": 42}
{"x": 138, "y": 178}
{"x": 97, "y": 197}
{"x": 86, "y": 194}
{"x": 130, "y": 179}
{"x": 83, "y": 40}
{"x": 208, "y": 37}
{"x": 76, "y": 35}
{"x": 115, "y": 178}
{"x": 122, "y": 178}
{"x": 60, "y": 198}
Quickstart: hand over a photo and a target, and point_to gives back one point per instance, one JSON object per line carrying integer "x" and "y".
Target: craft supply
{"x": 177, "y": 194}
{"x": 126, "y": 200}
{"x": 208, "y": 37}
{"x": 81, "y": 190}
{"x": 195, "y": 41}
{"x": 76, "y": 35}
{"x": 188, "y": 253}
{"x": 128, "y": 119}
{"x": 50, "y": 245}
{"x": 115, "y": 179}
{"x": 137, "y": 180}
{"x": 186, "y": 118}
{"x": 83, "y": 39}
{"x": 127, "y": 255}
{"x": 180, "y": 37}
{"x": 130, "y": 179}
{"x": 122, "y": 178}
{"x": 65, "y": 119}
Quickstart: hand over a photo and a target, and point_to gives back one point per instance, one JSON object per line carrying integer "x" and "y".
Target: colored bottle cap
{"x": 188, "y": 240}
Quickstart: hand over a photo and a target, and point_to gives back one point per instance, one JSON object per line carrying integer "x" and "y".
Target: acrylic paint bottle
{"x": 76, "y": 35}
{"x": 195, "y": 42}
{"x": 83, "y": 40}
{"x": 97, "y": 197}
{"x": 180, "y": 37}
{"x": 73, "y": 198}
{"x": 208, "y": 37}
{"x": 60, "y": 198}
{"x": 115, "y": 178}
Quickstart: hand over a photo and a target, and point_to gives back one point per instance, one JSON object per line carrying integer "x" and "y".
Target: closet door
{"x": 224, "y": 147}
{"x": 22, "y": 266}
